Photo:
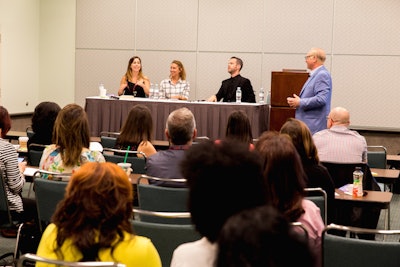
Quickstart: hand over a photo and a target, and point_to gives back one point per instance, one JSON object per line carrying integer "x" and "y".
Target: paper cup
{"x": 23, "y": 143}
{"x": 126, "y": 167}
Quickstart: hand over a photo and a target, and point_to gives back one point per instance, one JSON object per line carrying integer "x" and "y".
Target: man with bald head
{"x": 338, "y": 143}
{"x": 314, "y": 101}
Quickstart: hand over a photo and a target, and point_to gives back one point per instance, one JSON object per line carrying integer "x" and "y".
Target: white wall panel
{"x": 167, "y": 25}
{"x": 213, "y": 69}
{"x": 99, "y": 66}
{"x": 105, "y": 24}
{"x": 367, "y": 27}
{"x": 295, "y": 26}
{"x": 156, "y": 66}
{"x": 369, "y": 87}
{"x": 230, "y": 26}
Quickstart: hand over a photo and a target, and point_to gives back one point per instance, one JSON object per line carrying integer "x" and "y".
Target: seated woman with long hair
{"x": 92, "y": 222}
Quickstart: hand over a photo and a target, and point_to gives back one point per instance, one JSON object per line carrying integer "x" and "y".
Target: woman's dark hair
{"x": 137, "y": 127}
{"x": 43, "y": 119}
{"x": 283, "y": 173}
{"x": 256, "y": 237}
{"x": 5, "y": 121}
{"x": 95, "y": 211}
{"x": 239, "y": 127}
{"x": 223, "y": 179}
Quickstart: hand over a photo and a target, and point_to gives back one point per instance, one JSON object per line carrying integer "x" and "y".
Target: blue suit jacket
{"x": 315, "y": 100}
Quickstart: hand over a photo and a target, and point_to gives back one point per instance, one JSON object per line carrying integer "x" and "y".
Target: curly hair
{"x": 96, "y": 209}
{"x": 71, "y": 133}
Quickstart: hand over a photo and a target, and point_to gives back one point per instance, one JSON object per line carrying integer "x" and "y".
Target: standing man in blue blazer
{"x": 314, "y": 102}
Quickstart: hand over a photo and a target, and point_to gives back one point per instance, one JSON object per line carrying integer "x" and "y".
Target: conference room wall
{"x": 268, "y": 34}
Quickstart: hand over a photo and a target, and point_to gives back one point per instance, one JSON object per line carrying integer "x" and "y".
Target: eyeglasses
{"x": 308, "y": 56}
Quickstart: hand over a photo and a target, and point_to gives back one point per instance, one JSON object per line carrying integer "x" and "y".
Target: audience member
{"x": 285, "y": 181}
{"x": 92, "y": 222}
{"x": 258, "y": 237}
{"x": 134, "y": 82}
{"x": 71, "y": 142}
{"x": 314, "y": 101}
{"x": 22, "y": 209}
{"x": 338, "y": 143}
{"x": 317, "y": 174}
{"x": 227, "y": 92}
{"x": 180, "y": 131}
{"x": 223, "y": 179}
{"x": 238, "y": 128}
{"x": 43, "y": 119}
{"x": 176, "y": 86}
{"x": 137, "y": 130}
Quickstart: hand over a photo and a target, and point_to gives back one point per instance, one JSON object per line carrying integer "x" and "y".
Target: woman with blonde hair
{"x": 176, "y": 86}
{"x": 71, "y": 142}
{"x": 92, "y": 222}
{"x": 134, "y": 82}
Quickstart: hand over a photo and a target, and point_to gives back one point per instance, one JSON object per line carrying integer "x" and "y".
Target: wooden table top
{"x": 386, "y": 176}
{"x": 378, "y": 198}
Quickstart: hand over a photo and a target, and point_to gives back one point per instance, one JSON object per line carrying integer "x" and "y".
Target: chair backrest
{"x": 108, "y": 141}
{"x": 345, "y": 251}
{"x": 319, "y": 197}
{"x": 33, "y": 258}
{"x": 160, "y": 198}
{"x": 342, "y": 174}
{"x": 48, "y": 194}
{"x": 4, "y": 207}
{"x": 35, "y": 154}
{"x": 377, "y": 157}
{"x": 300, "y": 229}
{"x": 165, "y": 237}
{"x": 29, "y": 131}
{"x": 118, "y": 155}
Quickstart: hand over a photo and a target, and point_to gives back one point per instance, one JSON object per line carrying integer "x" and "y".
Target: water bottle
{"x": 102, "y": 90}
{"x": 151, "y": 93}
{"x": 156, "y": 91}
{"x": 261, "y": 95}
{"x": 268, "y": 101}
{"x": 357, "y": 182}
{"x": 238, "y": 95}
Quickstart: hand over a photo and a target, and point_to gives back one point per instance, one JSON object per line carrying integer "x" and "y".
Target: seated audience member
{"x": 317, "y": 174}
{"x": 180, "y": 131}
{"x": 134, "y": 82}
{"x": 257, "y": 237}
{"x": 338, "y": 143}
{"x": 176, "y": 86}
{"x": 227, "y": 92}
{"x": 223, "y": 179}
{"x": 341, "y": 145}
{"x": 100, "y": 229}
{"x": 22, "y": 209}
{"x": 285, "y": 181}
{"x": 137, "y": 130}
{"x": 72, "y": 140}
{"x": 43, "y": 119}
{"x": 238, "y": 128}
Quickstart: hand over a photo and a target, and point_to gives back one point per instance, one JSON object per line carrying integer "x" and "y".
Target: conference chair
{"x": 136, "y": 158}
{"x": 161, "y": 198}
{"x": 35, "y": 154}
{"x": 319, "y": 197}
{"x": 30, "y": 259}
{"x": 165, "y": 237}
{"x": 300, "y": 229}
{"x": 377, "y": 157}
{"x": 48, "y": 194}
{"x": 346, "y": 251}
{"x": 108, "y": 139}
{"x": 29, "y": 131}
{"x": 344, "y": 214}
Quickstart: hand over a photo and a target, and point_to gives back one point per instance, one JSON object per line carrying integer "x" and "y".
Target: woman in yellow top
{"x": 92, "y": 222}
